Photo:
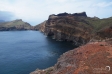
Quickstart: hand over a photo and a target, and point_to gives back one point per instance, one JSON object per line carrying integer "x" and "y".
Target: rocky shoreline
{"x": 85, "y": 59}
{"x": 15, "y": 25}
{"x": 92, "y": 35}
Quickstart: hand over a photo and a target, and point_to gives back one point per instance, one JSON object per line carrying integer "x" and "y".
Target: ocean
{"x": 22, "y": 52}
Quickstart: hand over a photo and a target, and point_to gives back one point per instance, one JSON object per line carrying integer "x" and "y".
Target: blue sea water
{"x": 22, "y": 52}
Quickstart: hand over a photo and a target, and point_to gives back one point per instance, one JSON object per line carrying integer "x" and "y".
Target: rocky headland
{"x": 15, "y": 25}
{"x": 77, "y": 28}
{"x": 91, "y": 34}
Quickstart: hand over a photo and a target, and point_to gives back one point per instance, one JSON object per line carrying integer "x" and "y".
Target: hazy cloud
{"x": 104, "y": 4}
{"x": 6, "y": 16}
{"x": 36, "y": 11}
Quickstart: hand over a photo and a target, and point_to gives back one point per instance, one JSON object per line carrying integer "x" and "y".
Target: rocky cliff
{"x": 93, "y": 58}
{"x": 77, "y": 27}
{"x": 15, "y": 25}
{"x": 40, "y": 27}
{"x": 67, "y": 27}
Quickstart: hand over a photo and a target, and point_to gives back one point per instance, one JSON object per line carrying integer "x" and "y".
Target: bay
{"x": 22, "y": 52}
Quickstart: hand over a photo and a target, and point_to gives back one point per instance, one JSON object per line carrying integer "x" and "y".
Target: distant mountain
{"x": 40, "y": 26}
{"x": 14, "y": 25}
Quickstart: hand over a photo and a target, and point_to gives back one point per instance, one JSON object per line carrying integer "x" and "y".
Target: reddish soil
{"x": 92, "y": 58}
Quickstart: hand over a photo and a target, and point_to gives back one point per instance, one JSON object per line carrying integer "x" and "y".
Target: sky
{"x": 37, "y": 11}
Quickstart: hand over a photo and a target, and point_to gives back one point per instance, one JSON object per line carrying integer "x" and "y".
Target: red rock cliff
{"x": 92, "y": 58}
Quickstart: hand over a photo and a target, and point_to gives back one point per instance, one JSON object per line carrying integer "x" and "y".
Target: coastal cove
{"x": 21, "y": 52}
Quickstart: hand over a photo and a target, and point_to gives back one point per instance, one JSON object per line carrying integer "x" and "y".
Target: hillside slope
{"x": 77, "y": 28}
{"x": 92, "y": 58}
{"x": 14, "y": 25}
{"x": 95, "y": 57}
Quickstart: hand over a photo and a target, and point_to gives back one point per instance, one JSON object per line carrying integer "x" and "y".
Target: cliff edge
{"x": 67, "y": 27}
{"x": 77, "y": 28}
{"x": 91, "y": 34}
{"x": 92, "y": 58}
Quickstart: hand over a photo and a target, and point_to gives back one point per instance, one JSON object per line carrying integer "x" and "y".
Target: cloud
{"x": 36, "y": 11}
{"x": 104, "y": 4}
{"x": 6, "y": 16}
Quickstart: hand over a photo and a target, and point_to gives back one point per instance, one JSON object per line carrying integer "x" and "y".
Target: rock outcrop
{"x": 92, "y": 58}
{"x": 77, "y": 28}
{"x": 80, "y": 14}
{"x": 40, "y": 27}
{"x": 74, "y": 14}
{"x": 67, "y": 27}
{"x": 14, "y": 25}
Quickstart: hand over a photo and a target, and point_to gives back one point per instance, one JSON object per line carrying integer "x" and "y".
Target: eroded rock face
{"x": 77, "y": 28}
{"x": 74, "y": 14}
{"x": 66, "y": 27}
{"x": 92, "y": 58}
{"x": 80, "y": 14}
{"x": 40, "y": 27}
